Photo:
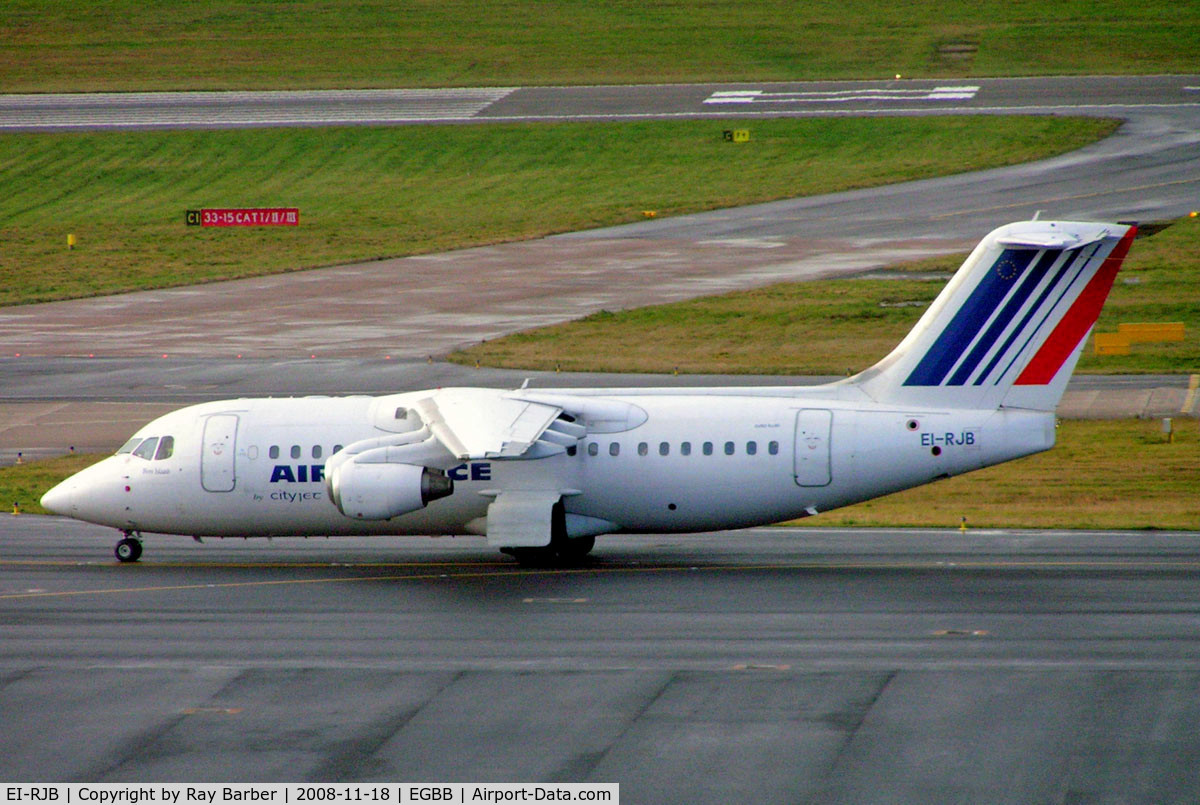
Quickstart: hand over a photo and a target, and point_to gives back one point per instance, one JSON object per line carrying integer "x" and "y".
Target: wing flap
{"x": 476, "y": 423}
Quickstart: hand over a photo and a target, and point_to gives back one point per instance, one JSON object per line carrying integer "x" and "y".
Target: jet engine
{"x": 383, "y": 491}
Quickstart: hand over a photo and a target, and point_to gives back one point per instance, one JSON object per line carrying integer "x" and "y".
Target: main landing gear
{"x": 128, "y": 549}
{"x": 562, "y": 553}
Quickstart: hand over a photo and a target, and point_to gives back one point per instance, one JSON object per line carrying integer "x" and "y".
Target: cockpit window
{"x": 129, "y": 445}
{"x": 146, "y": 449}
{"x": 166, "y": 448}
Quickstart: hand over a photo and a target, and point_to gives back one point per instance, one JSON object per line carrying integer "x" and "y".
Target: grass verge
{"x": 367, "y": 193}
{"x": 1103, "y": 474}
{"x": 55, "y": 45}
{"x": 841, "y": 326}
{"x": 22, "y": 485}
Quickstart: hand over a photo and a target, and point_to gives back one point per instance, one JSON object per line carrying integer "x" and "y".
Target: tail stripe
{"x": 1075, "y": 325}
{"x": 1073, "y": 267}
{"x": 1063, "y": 267}
{"x": 1014, "y": 305}
{"x": 1008, "y": 329}
{"x": 936, "y": 364}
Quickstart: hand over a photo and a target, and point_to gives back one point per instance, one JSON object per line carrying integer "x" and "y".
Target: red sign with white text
{"x": 282, "y": 216}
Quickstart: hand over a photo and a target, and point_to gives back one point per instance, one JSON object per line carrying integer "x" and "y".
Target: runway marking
{"x": 961, "y": 633}
{"x": 596, "y": 571}
{"x": 878, "y": 111}
{"x": 951, "y": 93}
{"x": 742, "y": 666}
{"x": 1190, "y": 400}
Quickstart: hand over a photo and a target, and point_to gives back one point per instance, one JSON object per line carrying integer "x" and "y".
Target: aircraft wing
{"x": 477, "y": 423}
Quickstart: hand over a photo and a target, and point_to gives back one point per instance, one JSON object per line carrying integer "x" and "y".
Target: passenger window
{"x": 773, "y": 448}
{"x": 593, "y": 448}
{"x": 337, "y": 447}
{"x": 146, "y": 449}
{"x": 166, "y": 448}
{"x": 751, "y": 448}
{"x": 643, "y": 448}
{"x": 129, "y": 445}
{"x": 708, "y": 448}
{"x": 614, "y": 449}
{"x": 729, "y": 448}
{"x": 316, "y": 451}
{"x": 572, "y": 450}
{"x": 685, "y": 449}
{"x": 664, "y": 448}
{"x": 295, "y": 451}
{"x": 274, "y": 451}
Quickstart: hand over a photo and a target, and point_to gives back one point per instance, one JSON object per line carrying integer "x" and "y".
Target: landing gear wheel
{"x": 128, "y": 550}
{"x": 533, "y": 557}
{"x": 563, "y": 551}
{"x": 573, "y": 550}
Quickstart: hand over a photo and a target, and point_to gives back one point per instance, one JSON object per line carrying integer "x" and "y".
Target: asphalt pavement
{"x": 769, "y": 665}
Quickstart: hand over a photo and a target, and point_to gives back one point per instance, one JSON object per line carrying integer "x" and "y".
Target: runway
{"x": 159, "y": 110}
{"x": 770, "y": 665}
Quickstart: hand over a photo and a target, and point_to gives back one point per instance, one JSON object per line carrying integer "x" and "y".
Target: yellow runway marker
{"x": 1190, "y": 400}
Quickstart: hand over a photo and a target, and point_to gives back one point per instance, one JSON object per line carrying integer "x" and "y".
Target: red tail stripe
{"x": 1079, "y": 319}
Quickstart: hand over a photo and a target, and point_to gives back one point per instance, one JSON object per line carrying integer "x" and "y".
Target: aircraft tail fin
{"x": 1009, "y": 327}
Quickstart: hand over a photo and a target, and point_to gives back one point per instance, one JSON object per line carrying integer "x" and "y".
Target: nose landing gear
{"x": 128, "y": 549}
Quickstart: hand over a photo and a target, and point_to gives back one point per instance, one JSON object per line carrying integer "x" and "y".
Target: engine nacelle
{"x": 383, "y": 491}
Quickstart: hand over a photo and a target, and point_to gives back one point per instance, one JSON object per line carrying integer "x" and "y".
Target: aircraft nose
{"x": 61, "y": 498}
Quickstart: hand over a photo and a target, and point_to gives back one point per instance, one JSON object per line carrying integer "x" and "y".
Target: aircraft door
{"x": 812, "y": 447}
{"x": 217, "y": 453}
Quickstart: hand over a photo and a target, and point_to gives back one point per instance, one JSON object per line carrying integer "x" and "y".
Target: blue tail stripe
{"x": 1028, "y": 283}
{"x": 970, "y": 318}
{"x": 1020, "y": 328}
{"x": 1073, "y": 267}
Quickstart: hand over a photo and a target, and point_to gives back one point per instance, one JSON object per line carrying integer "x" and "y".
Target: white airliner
{"x": 542, "y": 472}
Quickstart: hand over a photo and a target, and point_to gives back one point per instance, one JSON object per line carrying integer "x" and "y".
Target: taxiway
{"x": 772, "y": 665}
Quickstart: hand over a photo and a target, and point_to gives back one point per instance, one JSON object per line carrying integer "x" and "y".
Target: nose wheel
{"x": 128, "y": 549}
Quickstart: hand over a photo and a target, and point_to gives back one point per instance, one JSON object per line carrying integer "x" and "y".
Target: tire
{"x": 128, "y": 550}
{"x": 574, "y": 550}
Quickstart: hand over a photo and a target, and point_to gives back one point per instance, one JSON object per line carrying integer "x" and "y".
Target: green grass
{"x": 366, "y": 193}
{"x": 57, "y": 45}
{"x": 843, "y": 326}
{"x": 24, "y": 484}
{"x": 1102, "y": 474}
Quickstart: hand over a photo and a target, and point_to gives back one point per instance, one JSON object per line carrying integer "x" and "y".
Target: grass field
{"x": 1101, "y": 475}
{"x": 841, "y": 326}
{"x": 57, "y": 45}
{"x": 22, "y": 485}
{"x": 366, "y": 193}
